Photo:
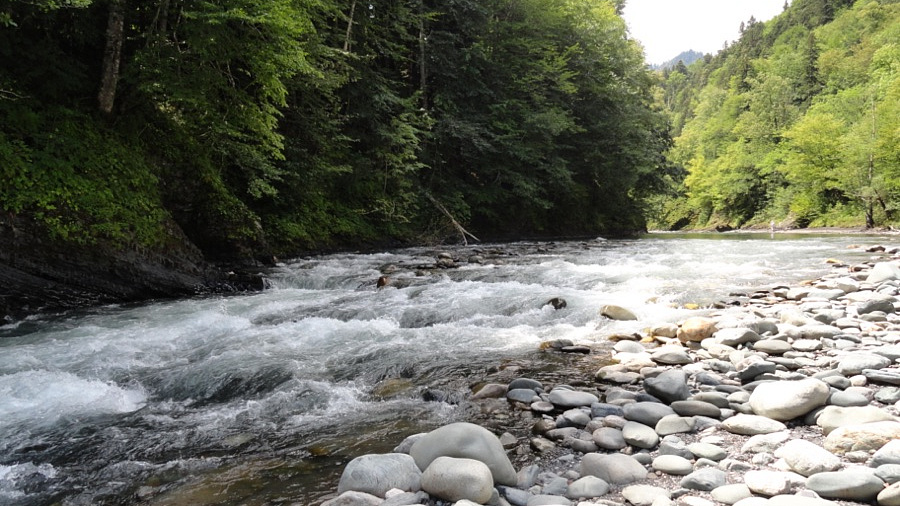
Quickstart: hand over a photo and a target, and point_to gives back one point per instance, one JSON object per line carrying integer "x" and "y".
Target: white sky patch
{"x": 667, "y": 27}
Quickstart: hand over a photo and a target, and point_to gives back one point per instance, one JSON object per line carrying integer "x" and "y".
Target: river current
{"x": 262, "y": 398}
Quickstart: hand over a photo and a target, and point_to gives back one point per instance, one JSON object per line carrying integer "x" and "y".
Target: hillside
{"x": 686, "y": 57}
{"x": 798, "y": 122}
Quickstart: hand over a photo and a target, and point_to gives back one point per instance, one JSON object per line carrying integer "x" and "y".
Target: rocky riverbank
{"x": 790, "y": 398}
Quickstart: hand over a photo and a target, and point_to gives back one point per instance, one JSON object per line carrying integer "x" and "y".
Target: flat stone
{"x": 773, "y": 346}
{"x": 754, "y": 369}
{"x": 856, "y": 363}
{"x": 730, "y": 494}
{"x": 609, "y": 438}
{"x": 864, "y": 437}
{"x": 546, "y": 500}
{"x": 601, "y": 409}
{"x": 543, "y": 407}
{"x": 888, "y": 454}
{"x": 717, "y": 399}
{"x": 708, "y": 451}
{"x": 456, "y": 479}
{"x": 806, "y": 458}
{"x": 673, "y": 464}
{"x": 765, "y": 443}
{"x": 819, "y": 332}
{"x": 674, "y": 424}
{"x": 749, "y": 425}
{"x": 671, "y": 355}
{"x": 525, "y": 383}
{"x": 786, "y": 400}
{"x": 889, "y": 473}
{"x": 466, "y": 441}
{"x": 647, "y": 413}
{"x": 644, "y": 495}
{"x": 640, "y": 435}
{"x": 847, "y": 399}
{"x": 735, "y": 336}
{"x": 565, "y": 399}
{"x": 833, "y": 417}
{"x": 890, "y": 377}
{"x": 883, "y": 271}
{"x": 807, "y": 345}
{"x": 490, "y": 391}
{"x": 705, "y": 479}
{"x": 847, "y": 484}
{"x": 697, "y": 408}
{"x": 376, "y": 474}
{"x": 614, "y": 468}
{"x": 522, "y": 395}
{"x": 768, "y": 483}
{"x": 587, "y": 487}
{"x": 885, "y": 305}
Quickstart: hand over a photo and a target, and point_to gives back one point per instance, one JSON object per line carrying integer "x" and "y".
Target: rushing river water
{"x": 261, "y": 398}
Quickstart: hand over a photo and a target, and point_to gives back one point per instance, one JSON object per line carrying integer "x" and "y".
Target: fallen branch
{"x": 462, "y": 231}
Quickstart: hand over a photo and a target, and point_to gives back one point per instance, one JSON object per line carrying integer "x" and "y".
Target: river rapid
{"x": 262, "y": 398}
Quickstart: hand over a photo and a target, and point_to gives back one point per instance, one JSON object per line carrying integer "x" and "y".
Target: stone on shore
{"x": 587, "y": 487}
{"x": 883, "y": 271}
{"x": 565, "y": 399}
{"x": 647, "y": 413}
{"x": 354, "y": 498}
{"x": 848, "y": 484}
{"x": 806, "y": 458}
{"x": 786, "y": 400}
{"x": 644, "y": 495}
{"x": 639, "y": 435}
{"x": 376, "y": 474}
{"x": 705, "y": 479}
{"x": 696, "y": 329}
{"x": 768, "y": 483}
{"x": 750, "y": 425}
{"x": 890, "y": 496}
{"x": 467, "y": 441}
{"x": 614, "y": 468}
{"x": 833, "y": 417}
{"x": 730, "y": 494}
{"x": 456, "y": 479}
{"x": 856, "y": 363}
{"x": 673, "y": 464}
{"x": 670, "y": 386}
{"x": 863, "y": 437}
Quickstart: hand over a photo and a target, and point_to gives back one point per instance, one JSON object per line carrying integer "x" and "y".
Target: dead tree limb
{"x": 462, "y": 231}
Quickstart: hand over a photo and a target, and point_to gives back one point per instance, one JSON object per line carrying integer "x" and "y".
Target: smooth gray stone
{"x": 848, "y": 484}
{"x": 527, "y": 476}
{"x": 847, "y": 399}
{"x": 629, "y": 347}
{"x": 600, "y": 410}
{"x": 749, "y": 425}
{"x": 587, "y": 487}
{"x": 833, "y": 417}
{"x": 548, "y": 500}
{"x": 730, "y": 494}
{"x": 522, "y": 395}
{"x": 856, "y": 363}
{"x": 674, "y": 424}
{"x": 678, "y": 449}
{"x": 755, "y": 369}
{"x": 888, "y": 395}
{"x": 735, "y": 336}
{"x": 542, "y": 407}
{"x": 708, "y": 451}
{"x": 574, "y": 418}
{"x": 785, "y": 400}
{"x": 581, "y": 445}
{"x": 889, "y": 473}
{"x": 556, "y": 486}
{"x": 644, "y": 495}
{"x": 515, "y": 496}
{"x": 571, "y": 398}
{"x": 456, "y": 479}
{"x": 376, "y": 474}
{"x": 883, "y": 271}
{"x": 465, "y": 440}
{"x": 806, "y": 458}
{"x": 891, "y": 377}
{"x": 647, "y": 413}
{"x": 819, "y": 332}
{"x": 671, "y": 355}
{"x": 525, "y": 383}
{"x": 705, "y": 479}
{"x": 673, "y": 464}
{"x": 884, "y": 305}
{"x": 640, "y": 435}
{"x": 839, "y": 382}
{"x": 669, "y": 386}
{"x": 887, "y": 454}
{"x": 615, "y": 468}
{"x": 609, "y": 438}
{"x": 698, "y": 408}
{"x": 772, "y": 346}
{"x": 891, "y": 352}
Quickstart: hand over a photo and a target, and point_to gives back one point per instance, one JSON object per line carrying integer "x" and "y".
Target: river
{"x": 262, "y": 398}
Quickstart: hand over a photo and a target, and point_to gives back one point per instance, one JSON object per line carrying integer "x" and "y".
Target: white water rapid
{"x": 260, "y": 398}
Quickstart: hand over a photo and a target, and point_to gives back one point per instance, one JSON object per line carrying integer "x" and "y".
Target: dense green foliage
{"x": 797, "y": 122}
{"x": 275, "y": 126}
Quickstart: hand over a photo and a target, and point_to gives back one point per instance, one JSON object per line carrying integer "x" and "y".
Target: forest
{"x": 253, "y": 128}
{"x": 796, "y": 123}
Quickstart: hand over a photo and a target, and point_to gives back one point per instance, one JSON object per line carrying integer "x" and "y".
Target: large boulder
{"x": 785, "y": 400}
{"x": 465, "y": 441}
{"x": 376, "y": 474}
{"x": 458, "y": 479}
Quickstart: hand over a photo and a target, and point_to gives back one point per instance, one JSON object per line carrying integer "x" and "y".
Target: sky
{"x": 668, "y": 27}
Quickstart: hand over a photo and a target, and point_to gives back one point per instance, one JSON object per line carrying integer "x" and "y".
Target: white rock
{"x": 786, "y": 400}
{"x": 807, "y": 458}
{"x": 458, "y": 479}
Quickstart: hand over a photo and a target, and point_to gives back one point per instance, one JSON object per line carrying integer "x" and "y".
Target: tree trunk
{"x": 423, "y": 69}
{"x": 112, "y": 57}
{"x": 347, "y": 37}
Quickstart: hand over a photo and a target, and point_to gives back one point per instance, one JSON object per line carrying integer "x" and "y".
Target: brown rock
{"x": 696, "y": 329}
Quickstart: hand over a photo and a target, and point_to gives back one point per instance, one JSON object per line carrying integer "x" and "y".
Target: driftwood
{"x": 462, "y": 231}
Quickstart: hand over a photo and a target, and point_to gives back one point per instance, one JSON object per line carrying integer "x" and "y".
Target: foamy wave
{"x": 44, "y": 397}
